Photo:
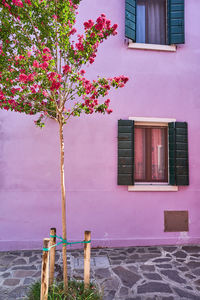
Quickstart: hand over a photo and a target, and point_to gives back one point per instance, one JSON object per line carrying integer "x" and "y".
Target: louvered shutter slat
{"x": 176, "y": 30}
{"x": 178, "y": 154}
{"x": 171, "y": 130}
{"x": 130, "y": 19}
{"x": 125, "y": 152}
{"x": 182, "y": 168}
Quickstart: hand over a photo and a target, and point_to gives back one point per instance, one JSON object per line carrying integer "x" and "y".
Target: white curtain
{"x": 156, "y": 21}
{"x": 158, "y": 154}
{"x": 155, "y": 150}
{"x": 151, "y": 22}
{"x": 140, "y": 151}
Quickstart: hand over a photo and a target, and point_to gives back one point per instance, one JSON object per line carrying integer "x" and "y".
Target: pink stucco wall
{"x": 161, "y": 85}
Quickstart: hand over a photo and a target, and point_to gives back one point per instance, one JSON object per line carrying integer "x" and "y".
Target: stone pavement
{"x": 167, "y": 272}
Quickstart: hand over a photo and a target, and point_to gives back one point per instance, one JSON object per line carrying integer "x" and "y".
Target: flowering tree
{"x": 41, "y": 67}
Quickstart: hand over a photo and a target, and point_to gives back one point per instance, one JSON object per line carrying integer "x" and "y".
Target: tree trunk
{"x": 64, "y": 231}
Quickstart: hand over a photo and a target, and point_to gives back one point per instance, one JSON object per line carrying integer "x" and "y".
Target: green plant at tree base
{"x": 76, "y": 291}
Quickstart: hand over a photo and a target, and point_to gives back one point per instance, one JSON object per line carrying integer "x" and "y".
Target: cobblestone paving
{"x": 168, "y": 272}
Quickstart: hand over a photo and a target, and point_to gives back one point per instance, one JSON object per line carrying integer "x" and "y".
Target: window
{"x": 155, "y": 21}
{"x": 152, "y": 152}
{"x": 151, "y": 21}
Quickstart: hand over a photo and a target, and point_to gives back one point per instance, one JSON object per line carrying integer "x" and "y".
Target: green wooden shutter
{"x": 178, "y": 154}
{"x": 130, "y": 19}
{"x": 172, "y": 143}
{"x": 125, "y": 152}
{"x": 176, "y": 31}
{"x": 182, "y": 168}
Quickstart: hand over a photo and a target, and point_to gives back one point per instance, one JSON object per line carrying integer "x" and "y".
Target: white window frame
{"x": 153, "y": 47}
{"x": 150, "y": 187}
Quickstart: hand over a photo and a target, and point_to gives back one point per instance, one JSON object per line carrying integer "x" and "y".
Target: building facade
{"x": 127, "y": 181}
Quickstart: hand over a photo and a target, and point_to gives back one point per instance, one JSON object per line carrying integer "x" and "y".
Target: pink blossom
{"x": 66, "y": 69}
{"x": 91, "y": 60}
{"x": 82, "y": 72}
{"x": 18, "y": 3}
{"x": 45, "y": 93}
{"x": 114, "y": 27}
{"x": 108, "y": 23}
{"x": 33, "y": 90}
{"x": 100, "y": 35}
{"x": 36, "y": 64}
{"x": 100, "y": 23}
{"x": 55, "y": 85}
{"x": 88, "y": 24}
{"x": 6, "y": 4}
{"x": 109, "y": 111}
{"x": 28, "y": 2}
{"x": 30, "y": 77}
{"x": 46, "y": 50}
{"x": 44, "y": 66}
{"x": 1, "y": 95}
{"x": 54, "y": 17}
{"x": 73, "y": 31}
{"x": 46, "y": 57}
{"x": 91, "y": 110}
{"x": 23, "y": 77}
{"x": 79, "y": 46}
{"x": 51, "y": 76}
{"x": 124, "y": 79}
{"x": 92, "y": 35}
{"x": 107, "y": 102}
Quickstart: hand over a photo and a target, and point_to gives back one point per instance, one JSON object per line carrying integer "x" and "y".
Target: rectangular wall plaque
{"x": 176, "y": 221}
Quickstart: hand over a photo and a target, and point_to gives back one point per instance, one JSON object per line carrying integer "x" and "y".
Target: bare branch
{"x": 49, "y": 116}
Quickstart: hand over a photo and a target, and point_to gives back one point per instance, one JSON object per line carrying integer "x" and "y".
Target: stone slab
{"x": 96, "y": 262}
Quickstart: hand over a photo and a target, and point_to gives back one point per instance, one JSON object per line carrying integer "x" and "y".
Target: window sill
{"x": 154, "y": 47}
{"x": 152, "y": 188}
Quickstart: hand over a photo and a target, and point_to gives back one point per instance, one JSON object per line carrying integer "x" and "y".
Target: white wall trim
{"x": 152, "y": 188}
{"x": 152, "y": 120}
{"x": 154, "y": 47}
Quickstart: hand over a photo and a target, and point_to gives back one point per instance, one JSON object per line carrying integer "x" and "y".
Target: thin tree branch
{"x": 31, "y": 21}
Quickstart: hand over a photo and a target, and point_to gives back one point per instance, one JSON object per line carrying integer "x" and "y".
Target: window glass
{"x": 151, "y": 22}
{"x": 140, "y": 27}
{"x": 139, "y": 154}
{"x": 151, "y": 155}
{"x": 158, "y": 154}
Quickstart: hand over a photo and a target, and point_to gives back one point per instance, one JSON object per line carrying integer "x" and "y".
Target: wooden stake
{"x": 63, "y": 193}
{"x": 45, "y": 271}
{"x": 87, "y": 250}
{"x": 52, "y": 255}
